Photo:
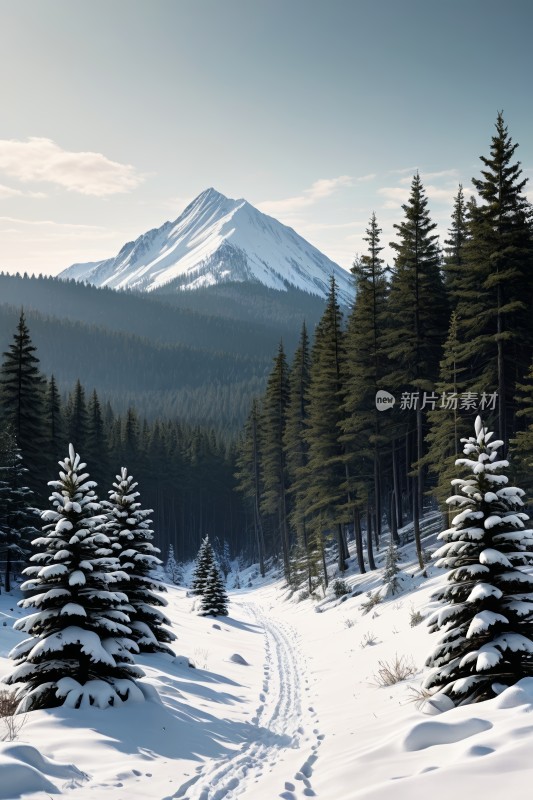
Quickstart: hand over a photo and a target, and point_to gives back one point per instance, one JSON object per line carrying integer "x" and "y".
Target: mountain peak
{"x": 217, "y": 239}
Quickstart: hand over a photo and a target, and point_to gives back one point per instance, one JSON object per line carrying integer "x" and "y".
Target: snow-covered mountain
{"x": 215, "y": 240}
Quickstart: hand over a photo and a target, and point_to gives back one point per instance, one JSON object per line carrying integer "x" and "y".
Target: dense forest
{"x": 353, "y": 427}
{"x": 362, "y": 427}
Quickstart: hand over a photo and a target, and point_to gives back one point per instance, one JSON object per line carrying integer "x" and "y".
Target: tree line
{"x": 362, "y": 428}
{"x": 185, "y": 472}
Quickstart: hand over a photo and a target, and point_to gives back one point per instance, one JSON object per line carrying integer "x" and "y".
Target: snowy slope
{"x": 216, "y": 240}
{"x": 303, "y": 717}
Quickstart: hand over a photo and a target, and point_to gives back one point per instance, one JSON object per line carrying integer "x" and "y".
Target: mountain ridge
{"x": 215, "y": 240}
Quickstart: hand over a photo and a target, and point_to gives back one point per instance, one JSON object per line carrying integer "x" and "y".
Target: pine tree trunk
{"x": 369, "y": 546}
{"x": 324, "y": 564}
{"x": 416, "y": 526}
{"x": 358, "y": 540}
{"x": 7, "y": 581}
{"x": 419, "y": 454}
{"x": 377, "y": 497}
{"x": 408, "y": 492}
{"x": 501, "y": 375}
{"x": 259, "y": 537}
{"x": 341, "y": 546}
{"x": 284, "y": 536}
{"x": 393, "y": 521}
{"x": 396, "y": 485}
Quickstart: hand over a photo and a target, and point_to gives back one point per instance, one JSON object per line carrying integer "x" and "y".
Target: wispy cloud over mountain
{"x": 40, "y": 160}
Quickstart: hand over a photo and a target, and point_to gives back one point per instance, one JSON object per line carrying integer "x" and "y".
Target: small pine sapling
{"x": 214, "y": 599}
{"x": 172, "y": 568}
{"x": 204, "y": 561}
{"x": 392, "y": 570}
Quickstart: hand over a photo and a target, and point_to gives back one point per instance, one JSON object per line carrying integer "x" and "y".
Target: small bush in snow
{"x": 372, "y": 600}
{"x": 418, "y": 695}
{"x": 369, "y": 639}
{"x": 415, "y": 617}
{"x": 12, "y": 721}
{"x": 340, "y": 588}
{"x": 349, "y": 623}
{"x": 394, "y": 671}
{"x": 201, "y": 657}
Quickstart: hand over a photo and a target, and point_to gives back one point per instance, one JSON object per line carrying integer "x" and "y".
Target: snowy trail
{"x": 284, "y": 739}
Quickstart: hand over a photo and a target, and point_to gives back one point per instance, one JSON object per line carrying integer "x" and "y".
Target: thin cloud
{"x": 7, "y": 191}
{"x": 319, "y": 190}
{"x": 48, "y": 223}
{"x": 395, "y": 196}
{"x": 42, "y": 160}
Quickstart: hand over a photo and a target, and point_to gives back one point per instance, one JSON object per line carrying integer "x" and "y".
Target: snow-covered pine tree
{"x": 390, "y": 573}
{"x": 79, "y": 650}
{"x": 172, "y": 568}
{"x": 214, "y": 598}
{"x": 488, "y": 633}
{"x": 131, "y": 539}
{"x": 204, "y": 560}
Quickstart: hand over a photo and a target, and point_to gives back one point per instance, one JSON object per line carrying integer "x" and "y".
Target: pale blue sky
{"x": 115, "y": 113}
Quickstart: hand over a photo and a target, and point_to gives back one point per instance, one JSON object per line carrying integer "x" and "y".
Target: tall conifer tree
{"x": 498, "y": 330}
{"x": 418, "y": 320}
{"x": 363, "y": 432}
{"x": 306, "y": 557}
{"x": 248, "y": 476}
{"x": 326, "y": 490}
{"x": 21, "y": 401}
{"x": 273, "y": 459}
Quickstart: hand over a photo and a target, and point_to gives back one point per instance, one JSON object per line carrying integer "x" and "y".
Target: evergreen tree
{"x": 488, "y": 635}
{"x": 79, "y": 650}
{"x": 222, "y": 556}
{"x": 131, "y": 538}
{"x": 273, "y": 460}
{"x": 497, "y": 330}
{"x": 418, "y": 320}
{"x": 454, "y": 248}
{"x": 21, "y": 402}
{"x": 55, "y": 438}
{"x": 204, "y": 560}
{"x": 97, "y": 445}
{"x": 449, "y": 423}
{"x": 248, "y": 476}
{"x": 363, "y": 433}
{"x": 17, "y": 516}
{"x": 76, "y": 418}
{"x": 522, "y": 445}
{"x": 390, "y": 573}
{"x": 214, "y": 598}
{"x": 305, "y": 556}
{"x": 131, "y": 439}
{"x": 325, "y": 496}
{"x": 172, "y": 568}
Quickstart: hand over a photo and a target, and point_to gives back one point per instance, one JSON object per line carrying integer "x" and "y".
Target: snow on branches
{"x": 487, "y": 641}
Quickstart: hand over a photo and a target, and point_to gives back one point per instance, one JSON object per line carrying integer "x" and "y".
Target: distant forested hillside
{"x": 202, "y": 363}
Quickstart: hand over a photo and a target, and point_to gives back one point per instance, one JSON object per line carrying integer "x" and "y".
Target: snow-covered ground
{"x": 303, "y": 716}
